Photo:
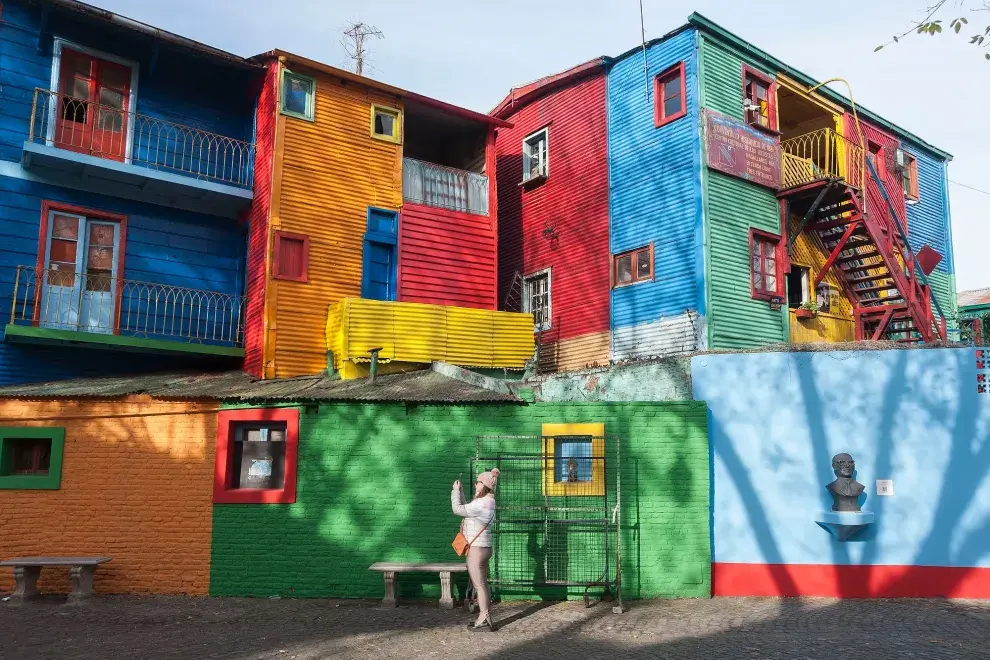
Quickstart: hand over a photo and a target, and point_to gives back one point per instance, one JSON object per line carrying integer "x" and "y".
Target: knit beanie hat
{"x": 489, "y": 479}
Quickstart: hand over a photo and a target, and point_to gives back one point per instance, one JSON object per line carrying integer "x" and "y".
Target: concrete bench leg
{"x": 82, "y": 582}
{"x": 25, "y": 583}
{"x": 446, "y": 598}
{"x": 389, "y": 600}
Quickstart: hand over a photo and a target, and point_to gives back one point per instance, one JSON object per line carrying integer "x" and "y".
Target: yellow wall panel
{"x": 822, "y": 328}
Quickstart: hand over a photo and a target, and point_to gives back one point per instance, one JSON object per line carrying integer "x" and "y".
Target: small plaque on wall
{"x": 776, "y": 303}
{"x": 885, "y": 487}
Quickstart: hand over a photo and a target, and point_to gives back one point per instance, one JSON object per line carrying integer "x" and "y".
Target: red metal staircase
{"x": 871, "y": 257}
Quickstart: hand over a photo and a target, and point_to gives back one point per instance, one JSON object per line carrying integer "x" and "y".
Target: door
{"x": 93, "y": 102}
{"x": 80, "y": 278}
{"x": 379, "y": 271}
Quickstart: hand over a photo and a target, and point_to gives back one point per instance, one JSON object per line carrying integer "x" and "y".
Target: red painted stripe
{"x": 850, "y": 581}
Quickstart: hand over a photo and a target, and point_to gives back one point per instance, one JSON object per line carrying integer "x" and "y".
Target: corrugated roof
{"x": 974, "y": 297}
{"x": 424, "y": 386}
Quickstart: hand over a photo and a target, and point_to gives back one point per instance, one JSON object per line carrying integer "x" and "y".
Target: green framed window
{"x": 31, "y": 457}
{"x": 298, "y": 95}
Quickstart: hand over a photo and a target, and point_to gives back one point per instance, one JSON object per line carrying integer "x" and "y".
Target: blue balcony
{"x": 82, "y": 144}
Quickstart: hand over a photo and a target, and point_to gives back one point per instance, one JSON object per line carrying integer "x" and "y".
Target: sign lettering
{"x": 736, "y": 149}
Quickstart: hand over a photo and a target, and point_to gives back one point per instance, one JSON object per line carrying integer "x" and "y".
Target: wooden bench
{"x": 27, "y": 570}
{"x": 443, "y": 568}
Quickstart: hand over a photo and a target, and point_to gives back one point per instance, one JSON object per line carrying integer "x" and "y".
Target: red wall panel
{"x": 875, "y": 203}
{"x": 446, "y": 257}
{"x": 562, "y": 223}
{"x": 264, "y": 154}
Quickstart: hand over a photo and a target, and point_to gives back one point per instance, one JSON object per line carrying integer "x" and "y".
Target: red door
{"x": 94, "y": 96}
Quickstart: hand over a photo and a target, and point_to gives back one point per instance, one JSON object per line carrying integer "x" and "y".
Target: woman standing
{"x": 478, "y": 515}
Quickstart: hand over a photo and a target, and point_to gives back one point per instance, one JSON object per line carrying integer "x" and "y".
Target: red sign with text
{"x": 736, "y": 149}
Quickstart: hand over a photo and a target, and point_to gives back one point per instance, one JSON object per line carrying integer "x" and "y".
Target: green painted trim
{"x": 726, "y": 38}
{"x": 50, "y": 481}
{"x": 310, "y": 114}
{"x": 48, "y": 335}
{"x": 968, "y": 311}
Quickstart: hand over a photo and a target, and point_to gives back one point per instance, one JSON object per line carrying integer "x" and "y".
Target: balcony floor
{"x": 144, "y": 184}
{"x": 35, "y": 335}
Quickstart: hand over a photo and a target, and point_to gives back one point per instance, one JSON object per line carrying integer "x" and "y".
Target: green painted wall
{"x": 732, "y": 207}
{"x": 374, "y": 485}
{"x": 944, "y": 286}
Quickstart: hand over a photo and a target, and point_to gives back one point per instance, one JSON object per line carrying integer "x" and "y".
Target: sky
{"x": 472, "y": 53}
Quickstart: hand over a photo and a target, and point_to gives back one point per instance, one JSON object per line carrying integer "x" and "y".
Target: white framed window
{"x": 536, "y": 298}
{"x": 536, "y": 155}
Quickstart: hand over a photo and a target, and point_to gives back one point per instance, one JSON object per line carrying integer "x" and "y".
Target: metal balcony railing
{"x": 444, "y": 187}
{"x": 822, "y": 154}
{"x": 107, "y": 132}
{"x": 87, "y": 302}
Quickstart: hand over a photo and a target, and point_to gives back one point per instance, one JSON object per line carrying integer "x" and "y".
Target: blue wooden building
{"x": 126, "y": 171}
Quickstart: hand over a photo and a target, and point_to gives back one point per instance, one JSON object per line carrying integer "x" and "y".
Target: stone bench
{"x": 389, "y": 569}
{"x": 27, "y": 570}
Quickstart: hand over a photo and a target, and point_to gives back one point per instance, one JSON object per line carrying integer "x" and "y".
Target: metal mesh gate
{"x": 556, "y": 512}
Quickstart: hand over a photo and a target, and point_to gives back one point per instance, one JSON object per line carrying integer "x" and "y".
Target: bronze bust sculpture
{"x": 845, "y": 490}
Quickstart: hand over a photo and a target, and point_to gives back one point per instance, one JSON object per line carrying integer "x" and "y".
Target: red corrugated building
{"x": 552, "y": 177}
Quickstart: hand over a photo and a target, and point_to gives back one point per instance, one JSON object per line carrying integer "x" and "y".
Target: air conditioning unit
{"x": 900, "y": 160}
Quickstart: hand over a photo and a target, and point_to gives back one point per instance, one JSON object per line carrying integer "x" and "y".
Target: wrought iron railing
{"x": 444, "y": 187}
{"x": 822, "y": 154}
{"x": 62, "y": 300}
{"x": 115, "y": 134}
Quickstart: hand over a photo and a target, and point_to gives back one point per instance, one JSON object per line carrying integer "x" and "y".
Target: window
{"x": 909, "y": 177}
{"x": 31, "y": 457}
{"x": 291, "y": 257}
{"x": 759, "y": 100}
{"x": 298, "y": 95}
{"x": 574, "y": 459}
{"x": 81, "y": 259}
{"x": 256, "y": 456}
{"x": 385, "y": 123}
{"x": 669, "y": 95}
{"x": 633, "y": 266}
{"x": 797, "y": 286}
{"x": 764, "y": 264}
{"x": 380, "y": 266}
{"x": 876, "y": 157}
{"x": 536, "y": 299}
{"x": 536, "y": 156}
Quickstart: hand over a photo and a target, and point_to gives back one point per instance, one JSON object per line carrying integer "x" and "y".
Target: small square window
{"x": 574, "y": 459}
{"x": 291, "y": 257}
{"x": 536, "y": 299}
{"x": 536, "y": 156}
{"x": 298, "y": 94}
{"x": 31, "y": 457}
{"x": 760, "y": 99}
{"x": 633, "y": 266}
{"x": 256, "y": 456}
{"x": 385, "y": 123}
{"x": 670, "y": 97}
{"x": 259, "y": 456}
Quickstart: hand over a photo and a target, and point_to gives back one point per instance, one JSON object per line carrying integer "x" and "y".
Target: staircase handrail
{"x": 904, "y": 237}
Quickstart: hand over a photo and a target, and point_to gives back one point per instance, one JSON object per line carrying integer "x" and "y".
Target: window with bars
{"x": 633, "y": 266}
{"x": 536, "y": 298}
{"x": 669, "y": 95}
{"x": 764, "y": 264}
{"x": 536, "y": 156}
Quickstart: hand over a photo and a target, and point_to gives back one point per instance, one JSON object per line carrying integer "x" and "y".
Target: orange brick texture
{"x": 137, "y": 486}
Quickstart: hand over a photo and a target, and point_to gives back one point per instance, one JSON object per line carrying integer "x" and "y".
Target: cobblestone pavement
{"x": 160, "y": 628}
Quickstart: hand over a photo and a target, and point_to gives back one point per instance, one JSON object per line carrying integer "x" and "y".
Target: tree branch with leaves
{"x": 933, "y": 23}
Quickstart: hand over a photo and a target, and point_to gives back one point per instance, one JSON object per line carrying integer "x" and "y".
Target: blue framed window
{"x": 380, "y": 265}
{"x": 572, "y": 459}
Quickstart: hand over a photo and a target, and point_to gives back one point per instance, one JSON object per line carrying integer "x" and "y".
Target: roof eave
{"x": 537, "y": 89}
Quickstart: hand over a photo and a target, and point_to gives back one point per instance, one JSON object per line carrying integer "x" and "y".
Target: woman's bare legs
{"x": 477, "y": 565}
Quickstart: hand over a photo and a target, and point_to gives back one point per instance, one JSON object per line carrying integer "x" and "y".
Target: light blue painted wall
{"x": 655, "y": 184}
{"x": 914, "y": 416}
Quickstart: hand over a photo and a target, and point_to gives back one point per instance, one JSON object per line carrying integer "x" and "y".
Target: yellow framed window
{"x": 386, "y": 123}
{"x": 574, "y": 459}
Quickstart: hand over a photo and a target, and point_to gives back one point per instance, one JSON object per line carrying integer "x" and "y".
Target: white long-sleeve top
{"x": 476, "y": 513}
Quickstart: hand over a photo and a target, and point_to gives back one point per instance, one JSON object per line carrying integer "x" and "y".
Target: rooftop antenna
{"x": 353, "y": 43}
{"x": 646, "y": 68}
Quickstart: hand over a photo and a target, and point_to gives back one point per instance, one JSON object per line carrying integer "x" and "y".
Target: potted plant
{"x": 806, "y": 310}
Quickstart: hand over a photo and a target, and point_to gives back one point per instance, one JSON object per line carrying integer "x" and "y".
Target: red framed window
{"x": 633, "y": 266}
{"x": 877, "y": 156}
{"x": 909, "y": 177}
{"x": 93, "y": 105}
{"x": 765, "y": 264}
{"x": 669, "y": 95}
{"x": 256, "y": 459}
{"x": 291, "y": 257}
{"x": 760, "y": 99}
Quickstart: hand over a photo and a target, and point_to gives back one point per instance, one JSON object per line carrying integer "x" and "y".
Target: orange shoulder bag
{"x": 460, "y": 542}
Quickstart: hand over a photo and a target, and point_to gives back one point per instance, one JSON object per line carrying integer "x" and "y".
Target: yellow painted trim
{"x": 554, "y": 488}
{"x": 396, "y": 136}
{"x": 820, "y": 101}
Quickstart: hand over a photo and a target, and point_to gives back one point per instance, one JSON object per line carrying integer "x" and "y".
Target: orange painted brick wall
{"x": 137, "y": 486}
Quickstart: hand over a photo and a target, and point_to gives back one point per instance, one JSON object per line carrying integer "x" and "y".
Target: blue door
{"x": 379, "y": 271}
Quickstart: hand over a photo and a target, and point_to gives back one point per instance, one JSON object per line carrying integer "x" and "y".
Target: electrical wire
{"x": 963, "y": 185}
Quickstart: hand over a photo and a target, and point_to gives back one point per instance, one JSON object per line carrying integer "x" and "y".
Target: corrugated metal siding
{"x": 561, "y": 224}
{"x": 891, "y": 182}
{"x": 732, "y": 207}
{"x": 446, "y": 257}
{"x": 333, "y": 170}
{"x": 258, "y": 234}
{"x": 823, "y": 327}
{"x": 928, "y": 223}
{"x": 668, "y": 336}
{"x": 808, "y": 252}
{"x": 655, "y": 180}
{"x": 417, "y": 333}
{"x": 574, "y": 353}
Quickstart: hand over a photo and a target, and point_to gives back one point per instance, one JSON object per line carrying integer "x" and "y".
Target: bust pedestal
{"x": 844, "y": 524}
